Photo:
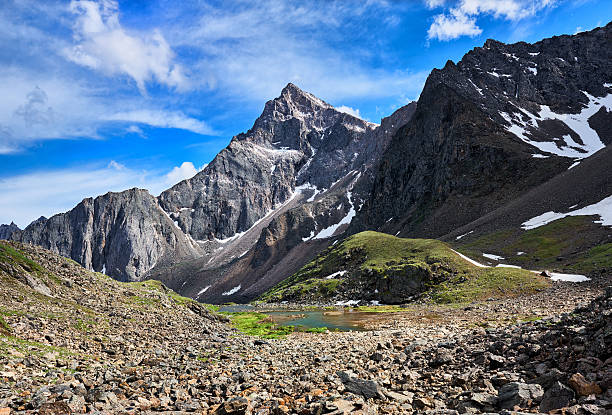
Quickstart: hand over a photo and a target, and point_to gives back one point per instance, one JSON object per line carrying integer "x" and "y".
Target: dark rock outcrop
{"x": 491, "y": 127}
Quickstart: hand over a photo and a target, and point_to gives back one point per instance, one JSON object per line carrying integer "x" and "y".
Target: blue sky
{"x": 107, "y": 95}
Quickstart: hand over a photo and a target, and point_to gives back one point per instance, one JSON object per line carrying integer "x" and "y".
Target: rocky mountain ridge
{"x": 499, "y": 123}
{"x": 300, "y": 150}
{"x": 504, "y": 119}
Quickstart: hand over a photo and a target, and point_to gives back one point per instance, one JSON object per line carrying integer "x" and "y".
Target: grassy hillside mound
{"x": 573, "y": 244}
{"x": 372, "y": 266}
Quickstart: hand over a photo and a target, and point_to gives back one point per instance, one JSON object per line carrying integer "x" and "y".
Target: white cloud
{"x": 103, "y": 44}
{"x": 432, "y": 4}
{"x": 352, "y": 111}
{"x": 161, "y": 118}
{"x": 185, "y": 171}
{"x": 36, "y": 108}
{"x": 461, "y": 19}
{"x": 44, "y": 193}
{"x": 134, "y": 129}
{"x": 447, "y": 27}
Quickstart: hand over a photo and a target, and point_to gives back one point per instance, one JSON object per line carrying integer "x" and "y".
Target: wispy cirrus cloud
{"x": 162, "y": 118}
{"x": 461, "y": 19}
{"x": 251, "y": 50}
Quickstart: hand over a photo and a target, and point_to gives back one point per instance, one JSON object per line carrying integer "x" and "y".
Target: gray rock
{"x": 519, "y": 394}
{"x": 557, "y": 396}
{"x": 366, "y": 388}
{"x": 458, "y": 147}
{"x": 125, "y": 234}
{"x": 235, "y": 406}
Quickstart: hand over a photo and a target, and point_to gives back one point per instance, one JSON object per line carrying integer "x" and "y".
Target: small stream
{"x": 340, "y": 319}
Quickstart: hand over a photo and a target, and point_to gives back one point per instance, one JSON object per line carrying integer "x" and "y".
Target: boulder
{"x": 235, "y": 406}
{"x": 583, "y": 387}
{"x": 366, "y": 388}
{"x": 558, "y": 396}
{"x": 519, "y": 394}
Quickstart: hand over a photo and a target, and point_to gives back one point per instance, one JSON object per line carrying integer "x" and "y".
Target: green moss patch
{"x": 597, "y": 259}
{"x": 485, "y": 283}
{"x": 10, "y": 255}
{"x": 258, "y": 324}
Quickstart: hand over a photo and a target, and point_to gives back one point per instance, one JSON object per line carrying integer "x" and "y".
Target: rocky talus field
{"x": 75, "y": 341}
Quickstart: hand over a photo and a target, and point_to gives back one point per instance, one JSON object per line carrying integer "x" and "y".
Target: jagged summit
{"x": 294, "y": 103}
{"x": 292, "y": 93}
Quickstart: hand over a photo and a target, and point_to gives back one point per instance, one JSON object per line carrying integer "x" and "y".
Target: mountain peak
{"x": 292, "y": 95}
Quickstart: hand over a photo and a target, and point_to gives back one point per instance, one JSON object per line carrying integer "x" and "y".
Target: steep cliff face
{"x": 123, "y": 235}
{"x": 503, "y": 120}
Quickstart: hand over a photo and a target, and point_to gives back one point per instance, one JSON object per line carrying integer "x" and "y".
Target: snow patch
{"x": 507, "y": 266}
{"x": 232, "y": 291}
{"x": 574, "y": 165}
{"x": 336, "y": 274}
{"x": 603, "y": 209}
{"x": 329, "y": 231}
{"x": 170, "y": 217}
{"x": 309, "y": 237}
{"x": 577, "y": 122}
{"x": 354, "y": 127}
{"x": 203, "y": 290}
{"x": 348, "y": 302}
{"x": 519, "y": 253}
{"x": 477, "y": 89}
{"x": 557, "y": 276}
{"x": 470, "y": 260}
{"x": 238, "y": 235}
{"x": 465, "y": 234}
{"x": 492, "y": 256}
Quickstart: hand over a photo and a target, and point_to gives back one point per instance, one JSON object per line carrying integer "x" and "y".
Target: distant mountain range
{"x": 509, "y": 133}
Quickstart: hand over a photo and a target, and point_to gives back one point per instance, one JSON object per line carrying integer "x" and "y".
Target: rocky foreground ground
{"x": 73, "y": 341}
